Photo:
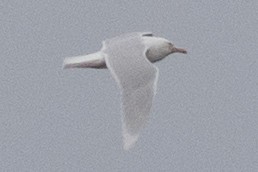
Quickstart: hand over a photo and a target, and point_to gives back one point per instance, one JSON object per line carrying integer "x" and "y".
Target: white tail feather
{"x": 95, "y": 60}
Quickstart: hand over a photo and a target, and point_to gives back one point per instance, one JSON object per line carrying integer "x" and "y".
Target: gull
{"x": 129, "y": 58}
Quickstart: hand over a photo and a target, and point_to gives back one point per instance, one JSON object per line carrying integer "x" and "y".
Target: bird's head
{"x": 158, "y": 48}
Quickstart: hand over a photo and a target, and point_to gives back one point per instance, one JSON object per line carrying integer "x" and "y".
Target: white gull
{"x": 129, "y": 57}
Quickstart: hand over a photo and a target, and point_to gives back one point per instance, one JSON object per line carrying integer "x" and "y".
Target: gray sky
{"x": 205, "y": 114}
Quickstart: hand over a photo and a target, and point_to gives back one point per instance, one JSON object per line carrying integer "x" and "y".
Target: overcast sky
{"x": 205, "y": 113}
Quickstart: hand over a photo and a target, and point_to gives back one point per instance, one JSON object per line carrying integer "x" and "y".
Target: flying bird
{"x": 129, "y": 58}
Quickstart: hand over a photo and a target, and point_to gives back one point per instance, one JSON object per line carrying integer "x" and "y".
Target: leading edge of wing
{"x": 139, "y": 34}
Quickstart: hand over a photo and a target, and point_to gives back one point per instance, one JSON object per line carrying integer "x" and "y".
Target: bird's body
{"x": 129, "y": 57}
{"x": 157, "y": 49}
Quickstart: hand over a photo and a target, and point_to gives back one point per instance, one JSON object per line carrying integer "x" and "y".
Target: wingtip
{"x": 129, "y": 140}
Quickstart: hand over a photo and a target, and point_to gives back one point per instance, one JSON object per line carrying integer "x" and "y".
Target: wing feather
{"x": 136, "y": 77}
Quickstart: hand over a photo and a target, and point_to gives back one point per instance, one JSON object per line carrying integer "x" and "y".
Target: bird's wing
{"x": 125, "y": 36}
{"x": 136, "y": 77}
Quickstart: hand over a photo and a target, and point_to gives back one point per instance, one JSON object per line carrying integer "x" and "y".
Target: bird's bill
{"x": 178, "y": 50}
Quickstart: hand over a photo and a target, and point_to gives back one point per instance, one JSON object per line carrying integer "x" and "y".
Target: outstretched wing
{"x": 136, "y": 77}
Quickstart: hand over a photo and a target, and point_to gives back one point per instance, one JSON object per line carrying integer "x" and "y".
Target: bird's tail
{"x": 95, "y": 60}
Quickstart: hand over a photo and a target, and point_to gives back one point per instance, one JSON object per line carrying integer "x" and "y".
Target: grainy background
{"x": 205, "y": 114}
